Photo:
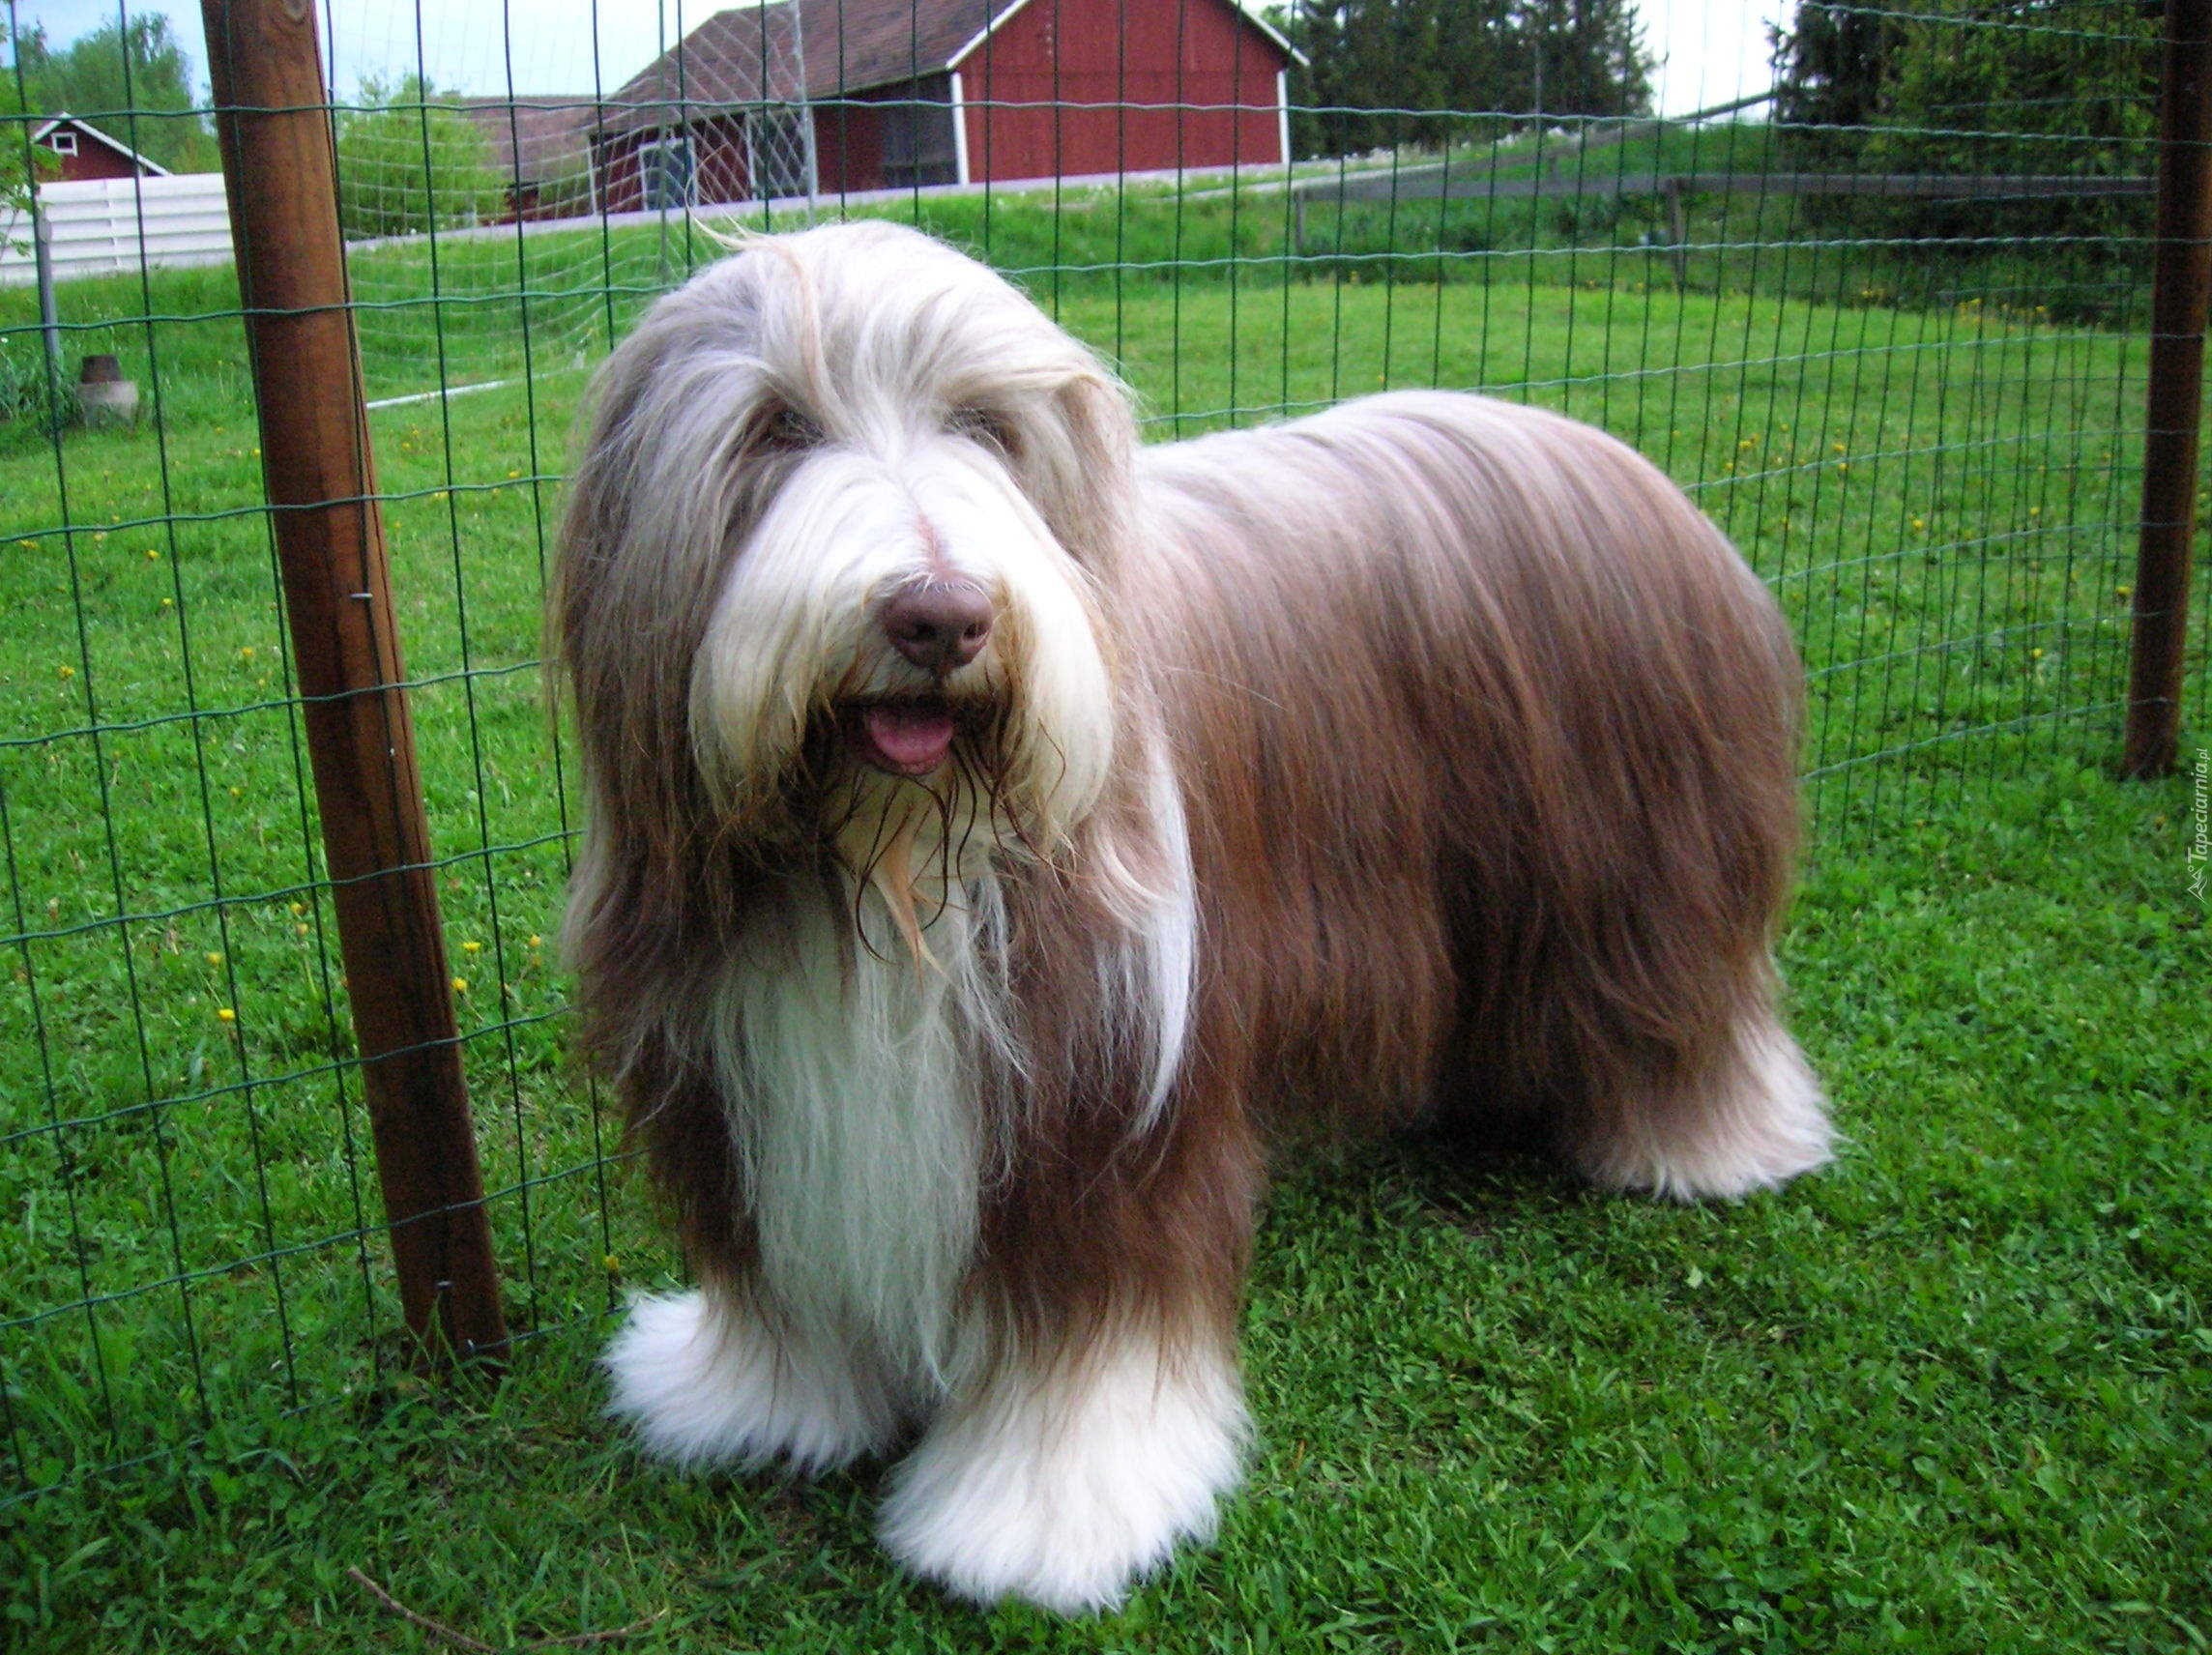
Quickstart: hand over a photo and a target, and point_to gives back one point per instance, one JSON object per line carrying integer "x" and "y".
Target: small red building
{"x": 900, "y": 93}
{"x": 88, "y": 153}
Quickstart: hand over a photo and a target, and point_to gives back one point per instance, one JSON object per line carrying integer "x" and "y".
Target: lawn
{"x": 1953, "y": 1392}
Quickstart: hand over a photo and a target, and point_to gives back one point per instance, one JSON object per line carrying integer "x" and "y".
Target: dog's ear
{"x": 1080, "y": 474}
{"x": 652, "y": 495}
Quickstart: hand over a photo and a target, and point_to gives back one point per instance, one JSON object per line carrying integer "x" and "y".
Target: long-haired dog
{"x": 1000, "y": 834}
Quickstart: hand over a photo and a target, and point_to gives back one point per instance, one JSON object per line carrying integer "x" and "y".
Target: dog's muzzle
{"x": 939, "y": 627}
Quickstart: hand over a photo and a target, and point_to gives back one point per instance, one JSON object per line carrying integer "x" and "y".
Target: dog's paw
{"x": 706, "y": 1383}
{"x": 1763, "y": 1123}
{"x": 1066, "y": 1490}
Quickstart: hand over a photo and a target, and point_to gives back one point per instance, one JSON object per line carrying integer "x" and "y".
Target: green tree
{"x": 132, "y": 79}
{"x": 2051, "y": 86}
{"x": 409, "y": 161}
{"x": 1383, "y": 72}
{"x": 17, "y": 156}
{"x": 2048, "y": 87}
{"x": 1580, "y": 57}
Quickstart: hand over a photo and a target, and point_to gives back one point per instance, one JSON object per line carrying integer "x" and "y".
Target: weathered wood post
{"x": 273, "y": 118}
{"x": 2181, "y": 280}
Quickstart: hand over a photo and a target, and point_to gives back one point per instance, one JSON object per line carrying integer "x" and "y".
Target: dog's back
{"x": 1509, "y": 736}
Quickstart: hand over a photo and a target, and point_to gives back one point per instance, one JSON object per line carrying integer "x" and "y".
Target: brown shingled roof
{"x": 542, "y": 138}
{"x": 851, "y": 46}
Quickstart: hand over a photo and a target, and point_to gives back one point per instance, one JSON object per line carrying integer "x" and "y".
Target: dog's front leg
{"x": 709, "y": 1379}
{"x": 1062, "y": 1481}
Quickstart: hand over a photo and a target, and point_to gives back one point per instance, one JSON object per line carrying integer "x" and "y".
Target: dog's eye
{"x": 777, "y": 429}
{"x": 994, "y": 431}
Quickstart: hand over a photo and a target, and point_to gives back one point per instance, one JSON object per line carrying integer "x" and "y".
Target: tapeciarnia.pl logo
{"x": 2199, "y": 852}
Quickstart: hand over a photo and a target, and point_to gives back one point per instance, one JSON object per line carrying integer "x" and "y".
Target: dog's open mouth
{"x": 906, "y": 737}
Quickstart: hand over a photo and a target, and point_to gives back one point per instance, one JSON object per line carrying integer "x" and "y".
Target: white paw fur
{"x": 1065, "y": 1489}
{"x": 1768, "y": 1125}
{"x": 706, "y": 1383}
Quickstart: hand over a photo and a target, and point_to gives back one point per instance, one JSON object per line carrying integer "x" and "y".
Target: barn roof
{"x": 533, "y": 139}
{"x": 152, "y": 168}
{"x": 746, "y": 54}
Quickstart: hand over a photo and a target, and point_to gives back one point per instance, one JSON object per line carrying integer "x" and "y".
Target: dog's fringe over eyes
{"x": 1429, "y": 758}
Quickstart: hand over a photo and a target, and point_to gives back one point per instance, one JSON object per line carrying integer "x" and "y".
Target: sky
{"x": 1709, "y": 51}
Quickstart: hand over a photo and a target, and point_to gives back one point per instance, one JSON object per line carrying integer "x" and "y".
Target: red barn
{"x": 900, "y": 93}
{"x": 88, "y": 153}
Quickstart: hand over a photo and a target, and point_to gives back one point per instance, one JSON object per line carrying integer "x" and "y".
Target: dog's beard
{"x": 915, "y": 841}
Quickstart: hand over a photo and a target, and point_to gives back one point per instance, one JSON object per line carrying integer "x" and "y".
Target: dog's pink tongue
{"x": 914, "y": 739}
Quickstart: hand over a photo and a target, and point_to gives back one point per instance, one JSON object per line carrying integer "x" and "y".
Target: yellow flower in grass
{"x": 224, "y": 1013}
{"x": 460, "y": 985}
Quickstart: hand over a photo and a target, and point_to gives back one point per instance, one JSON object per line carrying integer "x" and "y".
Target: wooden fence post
{"x": 2181, "y": 280}
{"x": 273, "y": 120}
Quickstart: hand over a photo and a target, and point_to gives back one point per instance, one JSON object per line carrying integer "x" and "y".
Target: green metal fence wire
{"x": 1919, "y": 416}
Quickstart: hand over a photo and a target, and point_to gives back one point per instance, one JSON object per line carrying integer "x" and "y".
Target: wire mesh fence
{"x": 1887, "y": 323}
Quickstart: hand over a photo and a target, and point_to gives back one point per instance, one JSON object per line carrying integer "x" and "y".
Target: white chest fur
{"x": 850, "y": 1075}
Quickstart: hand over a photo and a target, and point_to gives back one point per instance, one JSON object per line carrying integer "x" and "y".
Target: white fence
{"x": 107, "y": 226}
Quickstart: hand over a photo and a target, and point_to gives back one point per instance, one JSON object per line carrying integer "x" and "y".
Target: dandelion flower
{"x": 472, "y": 948}
{"x": 460, "y": 985}
{"x": 213, "y": 958}
{"x": 224, "y": 1014}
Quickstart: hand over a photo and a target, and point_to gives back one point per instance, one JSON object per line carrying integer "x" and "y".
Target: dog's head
{"x": 832, "y": 559}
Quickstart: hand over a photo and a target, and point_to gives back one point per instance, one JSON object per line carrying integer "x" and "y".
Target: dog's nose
{"x": 939, "y": 627}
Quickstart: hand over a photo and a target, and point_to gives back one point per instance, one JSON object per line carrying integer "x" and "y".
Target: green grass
{"x": 1952, "y": 1392}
